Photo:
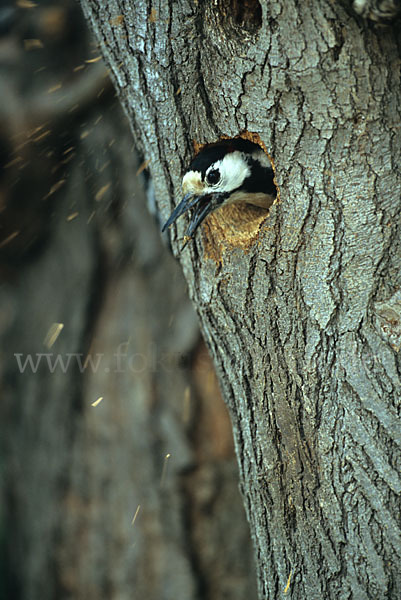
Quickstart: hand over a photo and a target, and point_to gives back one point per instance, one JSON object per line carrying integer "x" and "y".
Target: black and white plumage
{"x": 230, "y": 171}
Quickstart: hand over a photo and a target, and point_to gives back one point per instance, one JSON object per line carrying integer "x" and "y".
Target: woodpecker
{"x": 227, "y": 172}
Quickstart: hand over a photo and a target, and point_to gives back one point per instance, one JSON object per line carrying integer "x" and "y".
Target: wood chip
{"x": 52, "y": 334}
{"x": 98, "y": 401}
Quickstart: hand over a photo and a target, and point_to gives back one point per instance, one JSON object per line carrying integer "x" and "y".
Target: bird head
{"x": 227, "y": 172}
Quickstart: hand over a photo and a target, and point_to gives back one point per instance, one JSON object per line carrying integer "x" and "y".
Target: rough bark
{"x": 79, "y": 247}
{"x": 290, "y": 304}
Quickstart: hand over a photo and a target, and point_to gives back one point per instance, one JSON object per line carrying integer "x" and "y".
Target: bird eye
{"x": 213, "y": 177}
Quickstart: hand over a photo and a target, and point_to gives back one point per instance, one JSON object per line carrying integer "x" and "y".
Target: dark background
{"x": 79, "y": 246}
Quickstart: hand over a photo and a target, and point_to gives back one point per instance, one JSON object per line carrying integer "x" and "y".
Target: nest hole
{"x": 244, "y": 15}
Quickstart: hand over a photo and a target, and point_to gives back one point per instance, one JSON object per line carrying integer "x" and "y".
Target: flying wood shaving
{"x": 187, "y": 238}
{"x": 9, "y": 239}
{"x": 102, "y": 191}
{"x": 54, "y": 88}
{"x": 143, "y": 166}
{"x": 42, "y": 136}
{"x": 136, "y": 514}
{"x": 53, "y": 333}
{"x": 26, "y": 4}
{"x": 287, "y": 587}
{"x": 98, "y": 401}
{"x": 32, "y": 44}
{"x": 163, "y": 477}
{"x": 33, "y": 132}
{"x": 56, "y": 187}
{"x": 13, "y": 162}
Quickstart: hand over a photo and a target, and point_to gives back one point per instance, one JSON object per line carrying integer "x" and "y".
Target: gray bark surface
{"x": 300, "y": 309}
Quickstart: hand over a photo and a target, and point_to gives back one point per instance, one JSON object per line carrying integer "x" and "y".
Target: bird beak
{"x": 188, "y": 201}
{"x": 202, "y": 205}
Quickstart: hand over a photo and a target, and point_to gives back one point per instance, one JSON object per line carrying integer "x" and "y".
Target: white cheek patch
{"x": 233, "y": 172}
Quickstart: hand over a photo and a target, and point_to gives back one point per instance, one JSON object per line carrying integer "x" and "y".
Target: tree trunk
{"x": 300, "y": 308}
